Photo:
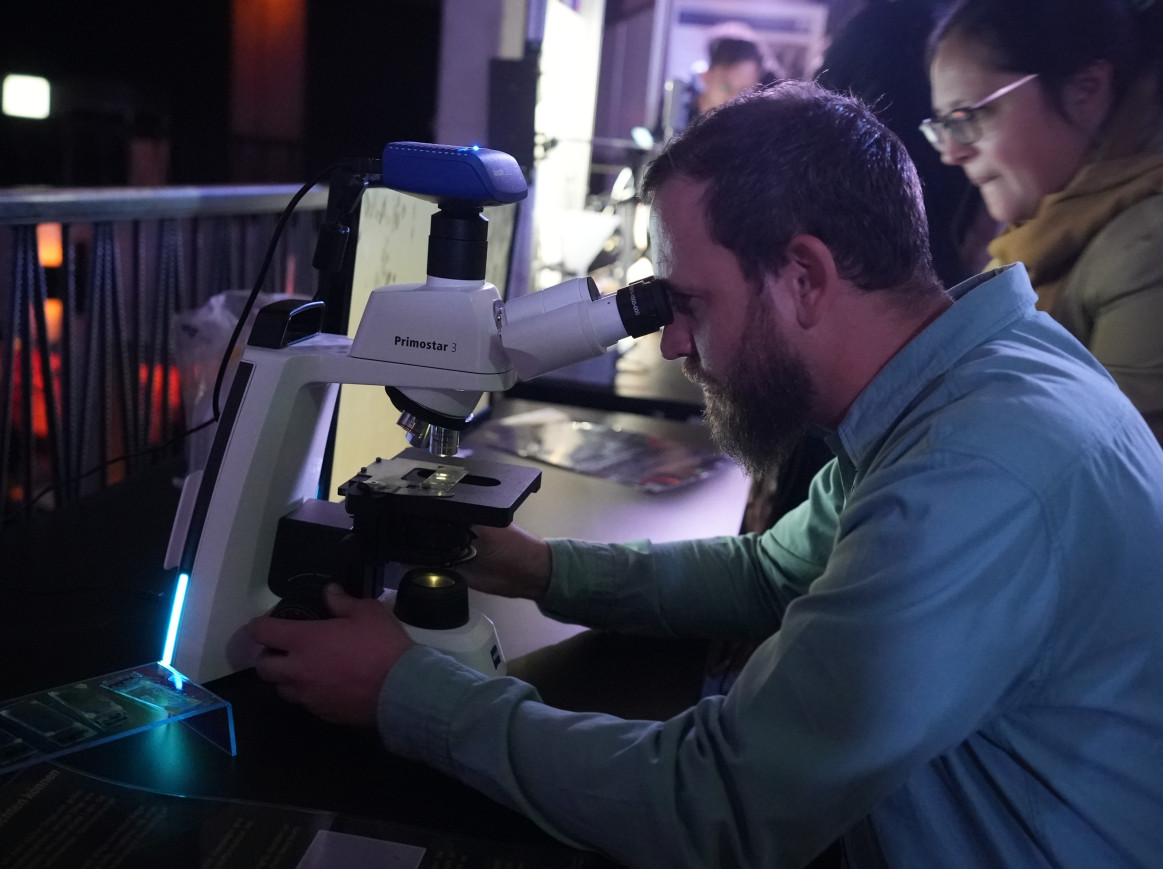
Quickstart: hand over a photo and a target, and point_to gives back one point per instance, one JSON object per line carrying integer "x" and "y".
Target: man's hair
{"x": 796, "y": 159}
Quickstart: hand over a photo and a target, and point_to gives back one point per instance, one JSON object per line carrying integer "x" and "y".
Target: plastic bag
{"x": 200, "y": 337}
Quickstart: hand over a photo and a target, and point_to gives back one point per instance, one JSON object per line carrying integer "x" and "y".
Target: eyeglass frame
{"x": 965, "y": 118}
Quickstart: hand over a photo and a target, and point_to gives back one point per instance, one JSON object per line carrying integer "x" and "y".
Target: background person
{"x": 1053, "y": 108}
{"x": 960, "y": 652}
{"x": 737, "y": 60}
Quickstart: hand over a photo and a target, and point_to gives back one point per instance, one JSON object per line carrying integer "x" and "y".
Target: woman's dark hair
{"x": 1058, "y": 38}
{"x": 796, "y": 159}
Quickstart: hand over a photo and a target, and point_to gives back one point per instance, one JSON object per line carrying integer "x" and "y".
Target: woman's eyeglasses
{"x": 960, "y": 124}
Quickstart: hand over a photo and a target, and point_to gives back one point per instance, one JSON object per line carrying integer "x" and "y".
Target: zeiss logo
{"x": 416, "y": 344}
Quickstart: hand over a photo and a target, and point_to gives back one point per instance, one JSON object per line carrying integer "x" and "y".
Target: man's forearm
{"x": 707, "y": 588}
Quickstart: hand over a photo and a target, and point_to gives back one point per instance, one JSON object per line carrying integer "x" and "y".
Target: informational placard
{"x": 52, "y": 817}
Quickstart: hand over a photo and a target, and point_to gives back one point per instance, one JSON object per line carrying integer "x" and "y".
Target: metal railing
{"x": 91, "y": 282}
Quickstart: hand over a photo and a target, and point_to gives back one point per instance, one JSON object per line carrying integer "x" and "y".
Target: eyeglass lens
{"x": 960, "y": 125}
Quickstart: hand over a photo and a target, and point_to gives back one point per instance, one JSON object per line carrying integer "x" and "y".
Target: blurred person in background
{"x": 737, "y": 60}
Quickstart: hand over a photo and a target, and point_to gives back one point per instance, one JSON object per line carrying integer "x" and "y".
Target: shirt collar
{"x": 982, "y": 305}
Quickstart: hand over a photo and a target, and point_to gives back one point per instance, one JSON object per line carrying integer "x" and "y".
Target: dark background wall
{"x": 372, "y": 75}
{"x": 154, "y": 80}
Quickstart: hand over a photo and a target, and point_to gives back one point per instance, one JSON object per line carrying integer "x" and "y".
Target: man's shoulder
{"x": 1031, "y": 401}
{"x": 993, "y": 379}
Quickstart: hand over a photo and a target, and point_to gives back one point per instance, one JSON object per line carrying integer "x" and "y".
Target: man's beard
{"x": 761, "y": 406}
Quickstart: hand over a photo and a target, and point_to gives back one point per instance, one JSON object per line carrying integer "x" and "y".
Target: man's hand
{"x": 509, "y": 562}
{"x": 333, "y": 667}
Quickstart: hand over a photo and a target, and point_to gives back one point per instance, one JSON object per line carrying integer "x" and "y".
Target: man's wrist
{"x": 542, "y": 574}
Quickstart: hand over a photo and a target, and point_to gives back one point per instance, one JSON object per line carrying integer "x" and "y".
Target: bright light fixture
{"x": 26, "y": 96}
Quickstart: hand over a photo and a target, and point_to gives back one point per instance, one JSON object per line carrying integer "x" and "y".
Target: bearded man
{"x": 959, "y": 657}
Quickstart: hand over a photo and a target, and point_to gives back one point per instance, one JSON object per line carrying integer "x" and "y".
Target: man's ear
{"x": 809, "y": 278}
{"x": 1089, "y": 94}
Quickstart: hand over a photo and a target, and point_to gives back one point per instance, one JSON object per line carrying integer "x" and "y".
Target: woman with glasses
{"x": 1054, "y": 110}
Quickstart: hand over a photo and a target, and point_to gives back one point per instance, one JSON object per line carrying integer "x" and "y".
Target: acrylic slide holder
{"x": 62, "y": 720}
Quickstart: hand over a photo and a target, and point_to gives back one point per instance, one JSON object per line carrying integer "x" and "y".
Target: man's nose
{"x": 676, "y": 340}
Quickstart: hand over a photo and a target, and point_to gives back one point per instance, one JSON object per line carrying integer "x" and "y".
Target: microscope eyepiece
{"x": 644, "y": 306}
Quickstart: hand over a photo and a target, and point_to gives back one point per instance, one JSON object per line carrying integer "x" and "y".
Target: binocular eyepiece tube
{"x": 574, "y": 322}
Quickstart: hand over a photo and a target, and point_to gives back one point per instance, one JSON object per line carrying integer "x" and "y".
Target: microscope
{"x": 251, "y": 534}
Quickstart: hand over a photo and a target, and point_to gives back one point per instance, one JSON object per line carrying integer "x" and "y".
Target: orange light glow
{"x": 155, "y": 376}
{"x": 48, "y": 245}
{"x": 150, "y": 378}
{"x": 54, "y": 312}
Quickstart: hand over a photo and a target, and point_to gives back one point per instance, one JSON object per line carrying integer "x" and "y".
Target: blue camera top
{"x": 451, "y": 175}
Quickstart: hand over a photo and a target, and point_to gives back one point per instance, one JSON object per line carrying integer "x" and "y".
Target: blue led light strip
{"x": 175, "y": 620}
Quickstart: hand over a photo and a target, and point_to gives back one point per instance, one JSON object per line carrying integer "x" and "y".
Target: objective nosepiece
{"x": 443, "y": 441}
{"x": 438, "y": 440}
{"x": 415, "y": 429}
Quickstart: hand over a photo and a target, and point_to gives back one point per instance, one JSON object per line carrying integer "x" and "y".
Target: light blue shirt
{"x": 962, "y": 639}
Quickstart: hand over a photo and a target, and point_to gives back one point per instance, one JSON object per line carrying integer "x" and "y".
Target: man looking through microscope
{"x": 959, "y": 654}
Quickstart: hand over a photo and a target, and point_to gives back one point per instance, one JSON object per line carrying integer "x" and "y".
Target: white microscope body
{"x": 438, "y": 345}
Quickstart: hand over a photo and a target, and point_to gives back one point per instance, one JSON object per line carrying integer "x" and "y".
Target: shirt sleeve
{"x": 721, "y": 588}
{"x": 930, "y": 609}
